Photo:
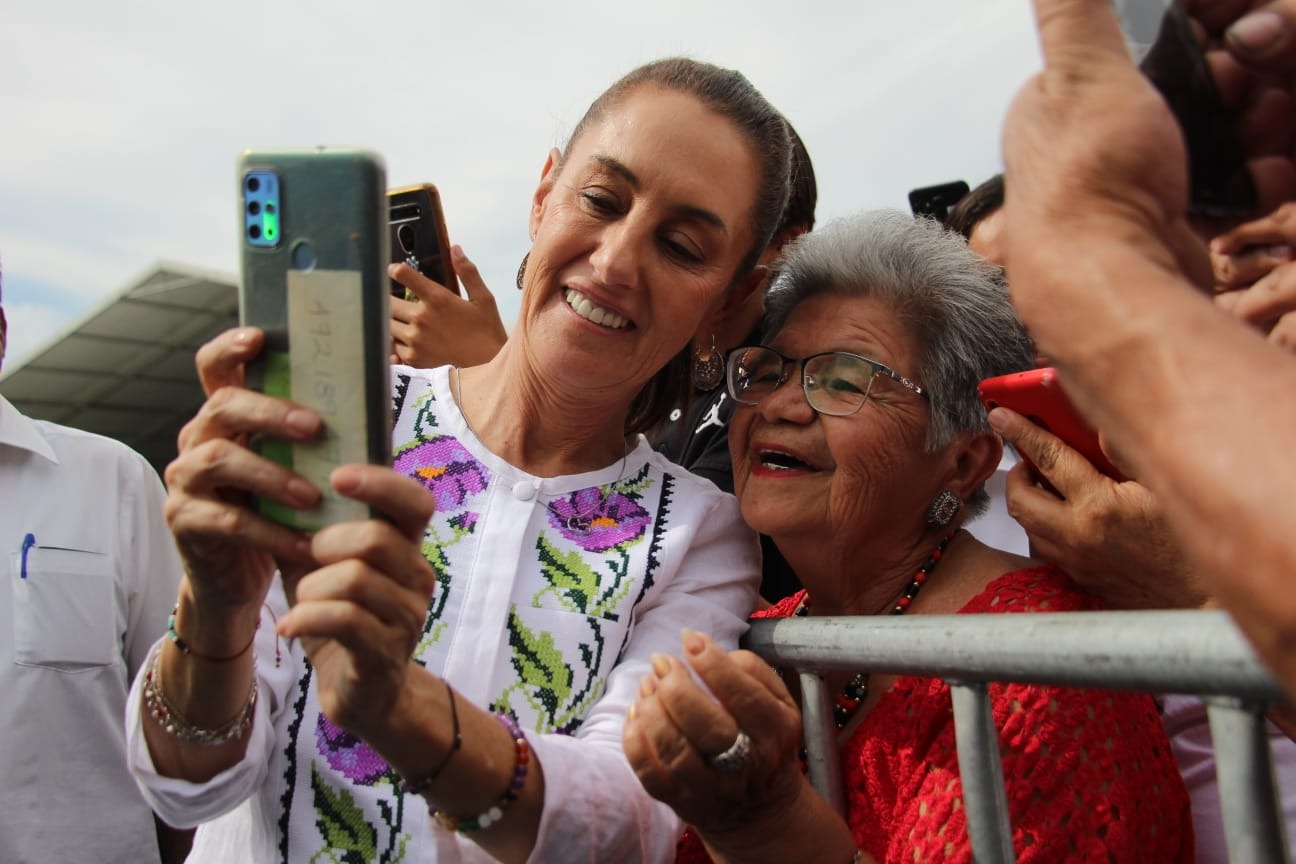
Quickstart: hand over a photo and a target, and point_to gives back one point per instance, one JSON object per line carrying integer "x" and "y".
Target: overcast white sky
{"x": 120, "y": 121}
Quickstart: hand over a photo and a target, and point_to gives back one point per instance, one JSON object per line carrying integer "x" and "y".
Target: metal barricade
{"x": 1193, "y": 653}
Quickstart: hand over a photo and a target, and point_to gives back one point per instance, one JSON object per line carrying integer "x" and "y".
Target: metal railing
{"x": 1191, "y": 653}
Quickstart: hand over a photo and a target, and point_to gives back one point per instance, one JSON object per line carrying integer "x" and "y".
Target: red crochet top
{"x": 1089, "y": 774}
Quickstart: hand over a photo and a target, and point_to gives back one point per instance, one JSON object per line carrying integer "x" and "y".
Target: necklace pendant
{"x": 578, "y": 524}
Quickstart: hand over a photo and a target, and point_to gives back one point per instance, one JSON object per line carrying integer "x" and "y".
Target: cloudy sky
{"x": 121, "y": 121}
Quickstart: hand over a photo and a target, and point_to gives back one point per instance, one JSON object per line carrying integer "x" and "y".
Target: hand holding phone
{"x": 418, "y": 236}
{"x": 1038, "y": 396}
{"x": 314, "y": 253}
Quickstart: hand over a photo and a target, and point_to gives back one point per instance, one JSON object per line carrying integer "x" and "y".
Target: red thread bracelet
{"x": 186, "y": 649}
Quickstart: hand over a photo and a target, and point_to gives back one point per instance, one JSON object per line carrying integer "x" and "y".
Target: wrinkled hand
{"x": 675, "y": 726}
{"x": 230, "y": 552}
{"x": 361, "y": 614}
{"x": 441, "y": 327}
{"x": 1110, "y": 537}
{"x": 1256, "y": 276}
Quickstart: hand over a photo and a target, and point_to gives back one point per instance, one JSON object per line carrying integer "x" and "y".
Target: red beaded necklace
{"x": 856, "y": 689}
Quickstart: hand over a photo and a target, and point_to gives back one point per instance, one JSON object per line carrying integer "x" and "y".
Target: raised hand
{"x": 441, "y": 327}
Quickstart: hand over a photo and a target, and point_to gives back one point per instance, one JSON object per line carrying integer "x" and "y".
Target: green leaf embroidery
{"x": 540, "y": 668}
{"x": 394, "y": 853}
{"x": 618, "y": 588}
{"x": 425, "y": 419}
{"x": 570, "y": 579}
{"x": 342, "y": 824}
{"x": 635, "y": 486}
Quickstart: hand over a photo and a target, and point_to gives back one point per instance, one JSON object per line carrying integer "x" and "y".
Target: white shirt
{"x": 995, "y": 527}
{"x": 100, "y": 577}
{"x": 553, "y": 593}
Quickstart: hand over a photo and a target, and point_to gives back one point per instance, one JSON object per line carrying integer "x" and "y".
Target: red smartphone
{"x": 1037, "y": 395}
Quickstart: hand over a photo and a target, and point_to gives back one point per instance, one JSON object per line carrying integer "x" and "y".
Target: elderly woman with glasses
{"x": 859, "y": 445}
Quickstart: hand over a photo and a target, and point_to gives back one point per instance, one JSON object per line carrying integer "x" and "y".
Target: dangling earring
{"x": 944, "y": 507}
{"x": 522, "y": 269}
{"x": 708, "y": 370}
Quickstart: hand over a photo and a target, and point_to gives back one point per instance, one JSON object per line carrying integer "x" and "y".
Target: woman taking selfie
{"x": 477, "y": 665}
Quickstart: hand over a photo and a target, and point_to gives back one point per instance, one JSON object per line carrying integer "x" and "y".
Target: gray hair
{"x": 954, "y": 304}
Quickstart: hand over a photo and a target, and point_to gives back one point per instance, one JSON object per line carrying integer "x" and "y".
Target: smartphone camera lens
{"x": 254, "y": 207}
{"x": 253, "y": 184}
{"x": 254, "y": 231}
{"x": 270, "y": 207}
{"x": 405, "y": 236}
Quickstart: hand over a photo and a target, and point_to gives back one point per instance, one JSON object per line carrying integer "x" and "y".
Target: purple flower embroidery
{"x": 445, "y": 467}
{"x": 597, "y": 528}
{"x": 465, "y": 521}
{"x": 348, "y": 755}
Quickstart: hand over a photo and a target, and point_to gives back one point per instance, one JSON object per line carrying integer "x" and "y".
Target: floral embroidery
{"x": 592, "y": 553}
{"x": 464, "y": 522}
{"x": 445, "y": 467}
{"x": 545, "y": 679}
{"x": 595, "y": 526}
{"x": 453, "y": 476}
{"x": 348, "y": 755}
{"x": 349, "y": 837}
{"x": 342, "y": 823}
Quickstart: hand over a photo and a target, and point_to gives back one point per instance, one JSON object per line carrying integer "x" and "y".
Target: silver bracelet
{"x": 174, "y": 723}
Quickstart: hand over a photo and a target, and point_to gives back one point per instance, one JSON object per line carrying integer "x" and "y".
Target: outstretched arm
{"x": 1104, "y": 267}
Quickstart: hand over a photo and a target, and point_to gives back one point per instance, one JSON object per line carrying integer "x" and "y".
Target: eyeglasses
{"x": 835, "y": 382}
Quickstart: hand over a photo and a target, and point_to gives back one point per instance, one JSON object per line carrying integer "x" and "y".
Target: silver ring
{"x": 732, "y": 760}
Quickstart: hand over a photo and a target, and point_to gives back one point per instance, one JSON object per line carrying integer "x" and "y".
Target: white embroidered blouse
{"x": 552, "y": 594}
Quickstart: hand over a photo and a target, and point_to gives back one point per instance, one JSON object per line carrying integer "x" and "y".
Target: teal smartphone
{"x": 314, "y": 251}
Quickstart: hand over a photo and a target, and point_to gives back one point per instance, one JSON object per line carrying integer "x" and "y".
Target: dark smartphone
{"x": 418, "y": 235}
{"x": 936, "y": 201}
{"x": 1165, "y": 45}
{"x": 313, "y": 255}
{"x": 1037, "y": 395}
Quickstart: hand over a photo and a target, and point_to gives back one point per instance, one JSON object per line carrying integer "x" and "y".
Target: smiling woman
{"x": 561, "y": 551}
{"x": 859, "y": 447}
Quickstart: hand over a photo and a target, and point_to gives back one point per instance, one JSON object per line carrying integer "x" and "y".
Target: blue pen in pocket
{"x": 28, "y": 542}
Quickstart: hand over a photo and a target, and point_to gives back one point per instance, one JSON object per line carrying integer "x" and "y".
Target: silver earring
{"x": 708, "y": 369}
{"x": 944, "y": 507}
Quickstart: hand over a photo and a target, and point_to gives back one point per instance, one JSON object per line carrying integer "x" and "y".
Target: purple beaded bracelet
{"x": 495, "y": 812}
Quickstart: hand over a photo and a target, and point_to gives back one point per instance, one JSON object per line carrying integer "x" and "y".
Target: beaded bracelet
{"x": 174, "y": 723}
{"x": 495, "y": 812}
{"x": 418, "y": 787}
{"x": 186, "y": 649}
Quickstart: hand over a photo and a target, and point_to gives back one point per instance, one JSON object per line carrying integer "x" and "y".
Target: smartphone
{"x": 936, "y": 201}
{"x": 1163, "y": 42}
{"x": 418, "y": 236}
{"x": 1037, "y": 395}
{"x": 313, "y": 253}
